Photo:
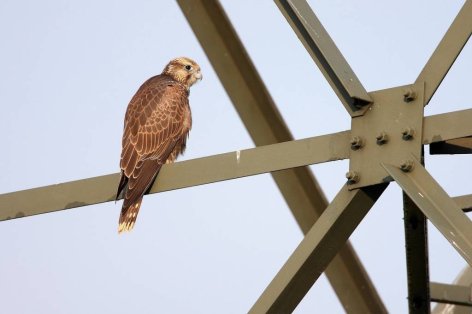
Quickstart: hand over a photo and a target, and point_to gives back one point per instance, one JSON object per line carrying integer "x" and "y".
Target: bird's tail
{"x": 128, "y": 217}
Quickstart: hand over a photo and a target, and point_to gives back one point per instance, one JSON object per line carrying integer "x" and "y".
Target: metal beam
{"x": 265, "y": 125}
{"x": 452, "y": 294}
{"x": 455, "y": 146}
{"x": 417, "y": 258}
{"x": 101, "y": 189}
{"x": 447, "y": 51}
{"x": 316, "y": 250}
{"x": 326, "y": 55}
{"x": 416, "y": 246}
{"x": 447, "y": 126}
{"x": 464, "y": 202}
{"x": 391, "y": 117}
{"x": 320, "y": 149}
{"x": 434, "y": 202}
{"x": 179, "y": 175}
{"x": 464, "y": 278}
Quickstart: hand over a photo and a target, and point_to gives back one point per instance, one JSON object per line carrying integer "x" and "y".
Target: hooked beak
{"x": 199, "y": 75}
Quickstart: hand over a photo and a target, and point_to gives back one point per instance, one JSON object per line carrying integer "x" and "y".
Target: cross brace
{"x": 327, "y": 237}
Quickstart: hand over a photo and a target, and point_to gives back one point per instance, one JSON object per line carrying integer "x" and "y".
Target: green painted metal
{"x": 447, "y": 51}
{"x": 326, "y": 55}
{"x": 266, "y": 126}
{"x": 464, "y": 202}
{"x": 391, "y": 116}
{"x": 58, "y": 197}
{"x": 377, "y": 119}
{"x": 416, "y": 247}
{"x": 452, "y": 294}
{"x": 463, "y": 279}
{"x": 434, "y": 202}
{"x": 253, "y": 103}
{"x": 454, "y": 146}
{"x": 316, "y": 250}
{"x": 447, "y": 126}
{"x": 179, "y": 175}
{"x": 417, "y": 259}
{"x": 315, "y": 150}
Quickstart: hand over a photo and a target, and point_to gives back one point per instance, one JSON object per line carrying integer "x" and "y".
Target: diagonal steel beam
{"x": 326, "y": 55}
{"x": 446, "y": 52}
{"x": 265, "y": 125}
{"x": 179, "y": 175}
{"x": 434, "y": 202}
{"x": 316, "y": 250}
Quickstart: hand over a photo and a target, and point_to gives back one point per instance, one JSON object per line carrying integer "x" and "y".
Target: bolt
{"x": 352, "y": 177}
{"x": 356, "y": 143}
{"x": 407, "y": 133}
{"x": 409, "y": 95}
{"x": 382, "y": 138}
{"x": 407, "y": 166}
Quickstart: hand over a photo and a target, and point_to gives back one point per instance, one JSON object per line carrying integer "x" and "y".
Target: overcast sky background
{"x": 69, "y": 69}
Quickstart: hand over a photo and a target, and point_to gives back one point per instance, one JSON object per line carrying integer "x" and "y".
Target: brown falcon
{"x": 157, "y": 124}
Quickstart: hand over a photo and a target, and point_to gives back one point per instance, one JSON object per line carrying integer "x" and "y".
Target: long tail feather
{"x": 128, "y": 217}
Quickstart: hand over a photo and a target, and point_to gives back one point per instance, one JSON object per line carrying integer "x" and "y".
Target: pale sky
{"x": 69, "y": 70}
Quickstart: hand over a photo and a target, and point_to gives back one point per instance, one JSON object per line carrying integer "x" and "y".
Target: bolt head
{"x": 356, "y": 142}
{"x": 382, "y": 138}
{"x": 407, "y": 166}
{"x": 409, "y": 95}
{"x": 352, "y": 177}
{"x": 407, "y": 133}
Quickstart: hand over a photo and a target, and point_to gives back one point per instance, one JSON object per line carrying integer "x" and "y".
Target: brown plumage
{"x": 157, "y": 124}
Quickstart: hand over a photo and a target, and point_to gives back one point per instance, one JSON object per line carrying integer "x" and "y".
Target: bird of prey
{"x": 156, "y": 127}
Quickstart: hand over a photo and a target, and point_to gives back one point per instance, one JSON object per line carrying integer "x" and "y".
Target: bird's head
{"x": 183, "y": 70}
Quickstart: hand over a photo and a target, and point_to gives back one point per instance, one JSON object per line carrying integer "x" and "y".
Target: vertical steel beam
{"x": 446, "y": 52}
{"x": 316, "y": 250}
{"x": 416, "y": 246}
{"x": 326, "y": 55}
{"x": 434, "y": 202}
{"x": 266, "y": 126}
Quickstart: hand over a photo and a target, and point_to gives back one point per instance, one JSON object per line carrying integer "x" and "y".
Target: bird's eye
{"x": 188, "y": 67}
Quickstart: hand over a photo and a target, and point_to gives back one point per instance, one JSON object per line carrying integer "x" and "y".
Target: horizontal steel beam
{"x": 447, "y": 51}
{"x": 452, "y": 294}
{"x": 464, "y": 278}
{"x": 316, "y": 250}
{"x": 326, "y": 55}
{"x": 464, "y": 202}
{"x": 455, "y": 146}
{"x": 447, "y": 126}
{"x": 434, "y": 202}
{"x": 316, "y": 150}
{"x": 179, "y": 175}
